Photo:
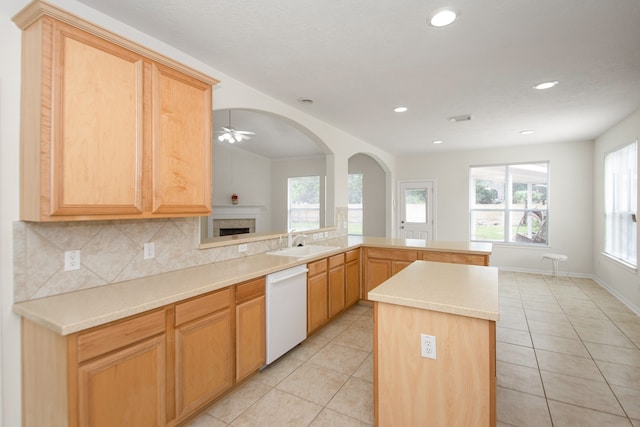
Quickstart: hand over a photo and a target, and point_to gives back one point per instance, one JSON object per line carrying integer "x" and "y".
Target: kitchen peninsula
{"x": 450, "y": 380}
{"x": 144, "y": 329}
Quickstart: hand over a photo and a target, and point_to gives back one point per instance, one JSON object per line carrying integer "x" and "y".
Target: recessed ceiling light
{"x": 545, "y": 85}
{"x": 443, "y": 17}
{"x": 400, "y": 109}
{"x": 305, "y": 100}
{"x": 526, "y": 132}
{"x": 437, "y": 141}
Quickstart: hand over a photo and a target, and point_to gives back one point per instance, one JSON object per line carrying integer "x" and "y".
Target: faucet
{"x": 293, "y": 239}
{"x": 290, "y": 237}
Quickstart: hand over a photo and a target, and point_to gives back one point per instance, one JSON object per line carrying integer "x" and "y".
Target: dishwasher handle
{"x": 283, "y": 278}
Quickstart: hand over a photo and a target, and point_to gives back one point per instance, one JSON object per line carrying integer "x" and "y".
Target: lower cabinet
{"x": 317, "y": 295}
{"x": 380, "y": 264}
{"x": 126, "y": 387}
{"x": 153, "y": 369}
{"x": 336, "y": 284}
{"x": 203, "y": 350}
{"x": 251, "y": 345}
{"x": 352, "y": 277}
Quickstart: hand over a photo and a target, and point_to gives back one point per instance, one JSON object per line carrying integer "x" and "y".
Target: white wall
{"x": 622, "y": 281}
{"x": 373, "y": 194}
{"x": 241, "y": 172}
{"x": 570, "y": 199}
{"x": 229, "y": 94}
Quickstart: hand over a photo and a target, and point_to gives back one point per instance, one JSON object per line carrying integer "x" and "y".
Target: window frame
{"x": 618, "y": 257}
{"x": 507, "y": 208}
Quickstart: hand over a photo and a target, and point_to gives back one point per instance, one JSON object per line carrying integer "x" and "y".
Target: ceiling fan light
{"x": 443, "y": 17}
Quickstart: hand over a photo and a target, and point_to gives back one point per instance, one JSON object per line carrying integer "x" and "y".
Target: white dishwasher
{"x": 286, "y": 300}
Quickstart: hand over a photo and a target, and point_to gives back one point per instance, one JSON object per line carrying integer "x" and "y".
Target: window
{"x": 355, "y": 214}
{"x": 304, "y": 203}
{"x": 620, "y": 201}
{"x": 508, "y": 203}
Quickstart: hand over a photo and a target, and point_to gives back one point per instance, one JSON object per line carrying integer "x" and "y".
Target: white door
{"x": 416, "y": 200}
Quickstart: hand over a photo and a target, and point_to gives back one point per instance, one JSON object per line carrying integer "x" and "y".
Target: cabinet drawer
{"x": 336, "y": 260}
{"x": 203, "y": 305}
{"x": 353, "y": 255}
{"x": 317, "y": 267}
{"x": 117, "y": 335}
{"x": 249, "y": 290}
{"x": 454, "y": 258}
{"x": 392, "y": 254}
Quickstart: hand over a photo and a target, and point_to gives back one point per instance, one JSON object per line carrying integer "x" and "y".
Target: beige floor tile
{"x": 622, "y": 375}
{"x": 519, "y": 355}
{"x": 270, "y": 411}
{"x": 365, "y": 371}
{"x": 333, "y": 329}
{"x": 329, "y": 418}
{"x": 314, "y": 383}
{"x": 630, "y": 328}
{"x": 626, "y": 316}
{"x": 355, "y": 399}
{"x": 595, "y": 313}
{"x": 560, "y": 345}
{"x": 510, "y": 322}
{"x": 636, "y": 423}
{"x": 206, "y": 420}
{"x": 580, "y": 392}
{"x": 606, "y": 333}
{"x": 609, "y": 353}
{"x": 549, "y": 304}
{"x": 545, "y": 316}
{"x": 565, "y": 415}
{"x": 506, "y": 301}
{"x": 520, "y": 378}
{"x": 568, "y": 365}
{"x": 557, "y": 329}
{"x": 576, "y": 304}
{"x": 521, "y": 409}
{"x": 630, "y": 400}
{"x": 278, "y": 370}
{"x": 231, "y": 406}
{"x": 356, "y": 337}
{"x": 308, "y": 348}
{"x": 339, "y": 358}
{"x": 513, "y": 336}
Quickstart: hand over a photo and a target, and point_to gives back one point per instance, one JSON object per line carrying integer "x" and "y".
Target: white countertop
{"x": 465, "y": 290}
{"x": 75, "y": 311}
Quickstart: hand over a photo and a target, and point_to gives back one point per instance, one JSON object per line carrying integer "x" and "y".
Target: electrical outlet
{"x": 242, "y": 247}
{"x": 428, "y": 346}
{"x": 71, "y": 260}
{"x": 326, "y": 234}
{"x": 149, "y": 250}
{"x": 315, "y": 236}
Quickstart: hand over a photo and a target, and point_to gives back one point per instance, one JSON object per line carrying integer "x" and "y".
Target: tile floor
{"x": 568, "y": 354}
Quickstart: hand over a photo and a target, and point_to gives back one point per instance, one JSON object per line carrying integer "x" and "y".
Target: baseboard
{"x": 618, "y": 295}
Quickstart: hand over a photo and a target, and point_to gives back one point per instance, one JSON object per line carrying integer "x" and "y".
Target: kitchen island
{"x": 456, "y": 304}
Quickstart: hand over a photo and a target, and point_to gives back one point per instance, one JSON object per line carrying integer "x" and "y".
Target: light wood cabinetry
{"x": 110, "y": 375}
{"x": 454, "y": 389}
{"x": 250, "y": 327}
{"x": 352, "y": 277}
{"x": 337, "y": 284}
{"x": 109, "y": 129}
{"x": 380, "y": 264}
{"x": 317, "y": 295}
{"x": 203, "y": 350}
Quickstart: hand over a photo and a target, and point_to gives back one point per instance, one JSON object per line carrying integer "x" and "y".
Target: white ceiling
{"x": 357, "y": 59}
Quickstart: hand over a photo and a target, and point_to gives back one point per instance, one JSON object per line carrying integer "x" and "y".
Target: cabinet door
{"x": 204, "y": 360}
{"x": 250, "y": 336}
{"x": 317, "y": 295}
{"x": 96, "y": 110}
{"x": 377, "y": 271}
{"x": 336, "y": 284}
{"x": 397, "y": 266}
{"x": 124, "y": 388}
{"x": 352, "y": 276}
{"x": 181, "y": 120}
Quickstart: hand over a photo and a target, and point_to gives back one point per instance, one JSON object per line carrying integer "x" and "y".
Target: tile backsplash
{"x": 112, "y": 251}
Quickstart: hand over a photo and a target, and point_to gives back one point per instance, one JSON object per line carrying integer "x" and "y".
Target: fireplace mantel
{"x": 239, "y": 212}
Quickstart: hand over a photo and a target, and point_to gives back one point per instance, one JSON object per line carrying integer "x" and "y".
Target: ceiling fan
{"x": 231, "y": 135}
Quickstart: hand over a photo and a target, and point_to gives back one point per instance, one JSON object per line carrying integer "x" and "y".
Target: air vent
{"x": 463, "y": 118}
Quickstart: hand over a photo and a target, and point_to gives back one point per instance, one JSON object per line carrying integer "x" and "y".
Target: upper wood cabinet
{"x": 109, "y": 129}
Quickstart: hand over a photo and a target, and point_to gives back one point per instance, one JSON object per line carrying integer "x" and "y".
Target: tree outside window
{"x": 508, "y": 203}
{"x": 304, "y": 203}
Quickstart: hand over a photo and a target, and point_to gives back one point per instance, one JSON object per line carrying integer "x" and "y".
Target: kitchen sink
{"x": 304, "y": 251}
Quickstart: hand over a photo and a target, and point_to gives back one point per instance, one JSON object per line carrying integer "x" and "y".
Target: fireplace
{"x": 231, "y": 226}
{"x": 234, "y": 230}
